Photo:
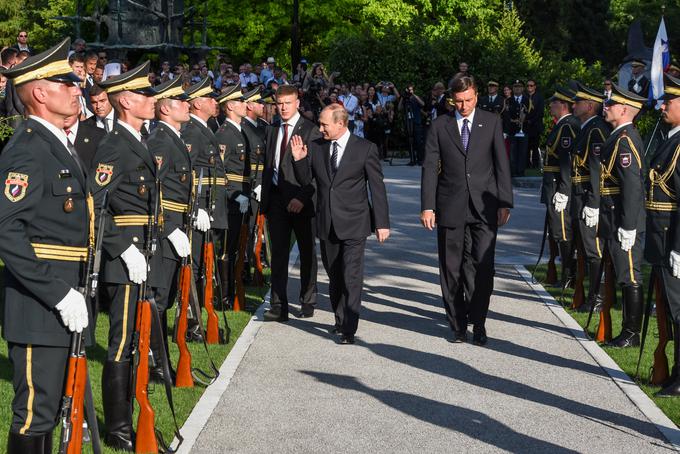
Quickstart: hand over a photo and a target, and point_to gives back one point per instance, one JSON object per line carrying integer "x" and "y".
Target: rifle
{"x": 604, "y": 329}
{"x": 551, "y": 274}
{"x": 659, "y": 370}
{"x": 258, "y": 233}
{"x": 213, "y": 335}
{"x": 78, "y": 392}
{"x": 183, "y": 377}
{"x": 240, "y": 297}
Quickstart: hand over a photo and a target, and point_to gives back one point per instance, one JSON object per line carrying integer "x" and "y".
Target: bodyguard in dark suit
{"x": 127, "y": 169}
{"x": 662, "y": 240}
{"x": 342, "y": 165}
{"x": 289, "y": 207}
{"x": 471, "y": 196}
{"x": 622, "y": 212}
{"x": 44, "y": 245}
{"x": 84, "y": 137}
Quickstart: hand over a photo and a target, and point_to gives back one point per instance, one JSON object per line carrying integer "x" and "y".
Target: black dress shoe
{"x": 335, "y": 330}
{"x": 479, "y": 336}
{"x": 459, "y": 337}
{"x": 306, "y": 311}
{"x": 276, "y": 314}
{"x": 347, "y": 339}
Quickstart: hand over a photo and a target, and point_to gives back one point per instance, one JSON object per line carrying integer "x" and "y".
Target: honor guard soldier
{"x": 166, "y": 145}
{"x": 493, "y": 102}
{"x": 638, "y": 83}
{"x": 44, "y": 238}
{"x": 662, "y": 239}
{"x": 127, "y": 170}
{"x": 622, "y": 214}
{"x": 556, "y": 189}
{"x": 235, "y": 151}
{"x": 205, "y": 155}
{"x": 585, "y": 181}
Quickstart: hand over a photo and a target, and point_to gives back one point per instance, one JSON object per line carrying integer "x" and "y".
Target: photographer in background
{"x": 387, "y": 92}
{"x": 412, "y": 105}
{"x": 350, "y": 102}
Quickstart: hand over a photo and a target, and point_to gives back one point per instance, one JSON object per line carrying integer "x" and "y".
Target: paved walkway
{"x": 404, "y": 388}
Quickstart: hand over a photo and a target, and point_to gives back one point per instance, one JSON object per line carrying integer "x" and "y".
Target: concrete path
{"x": 404, "y": 388}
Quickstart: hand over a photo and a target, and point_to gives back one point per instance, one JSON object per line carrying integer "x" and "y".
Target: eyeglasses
{"x": 23, "y": 36}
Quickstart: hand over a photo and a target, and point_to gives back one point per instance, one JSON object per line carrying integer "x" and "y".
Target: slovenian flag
{"x": 661, "y": 60}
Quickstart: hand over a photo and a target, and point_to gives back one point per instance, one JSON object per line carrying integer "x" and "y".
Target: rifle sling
{"x": 540, "y": 254}
{"x": 157, "y": 334}
{"x": 645, "y": 320}
{"x": 91, "y": 417}
{"x": 220, "y": 290}
{"x": 196, "y": 309}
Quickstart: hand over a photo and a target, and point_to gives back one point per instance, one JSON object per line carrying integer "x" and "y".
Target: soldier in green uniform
{"x": 662, "y": 239}
{"x": 44, "y": 234}
{"x": 622, "y": 215}
{"x": 127, "y": 170}
{"x": 204, "y": 153}
{"x": 585, "y": 180}
{"x": 556, "y": 189}
{"x": 165, "y": 143}
{"x": 235, "y": 150}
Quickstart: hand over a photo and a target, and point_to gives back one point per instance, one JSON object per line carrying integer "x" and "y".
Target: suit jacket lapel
{"x": 326, "y": 150}
{"x": 346, "y": 156}
{"x": 452, "y": 128}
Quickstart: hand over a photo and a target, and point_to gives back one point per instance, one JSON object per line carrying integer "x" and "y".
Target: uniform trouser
{"x": 123, "y": 299}
{"x": 518, "y": 155}
{"x": 461, "y": 259}
{"x": 281, "y": 225}
{"x": 344, "y": 263}
{"x": 197, "y": 242}
{"x": 39, "y": 374}
{"x": 559, "y": 224}
{"x": 254, "y": 207}
{"x": 627, "y": 265}
{"x": 166, "y": 293}
{"x": 592, "y": 245}
{"x": 671, "y": 287}
{"x": 234, "y": 235}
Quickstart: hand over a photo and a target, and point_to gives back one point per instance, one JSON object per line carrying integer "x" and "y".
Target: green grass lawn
{"x": 185, "y": 399}
{"x": 626, "y": 358}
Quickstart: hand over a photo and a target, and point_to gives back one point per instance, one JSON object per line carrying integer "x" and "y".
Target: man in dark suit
{"x": 493, "y": 102}
{"x": 84, "y": 137}
{"x": 534, "y": 128}
{"x": 104, "y": 116}
{"x": 470, "y": 197}
{"x": 289, "y": 207}
{"x": 342, "y": 164}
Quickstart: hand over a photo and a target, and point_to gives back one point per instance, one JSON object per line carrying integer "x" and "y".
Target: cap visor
{"x": 146, "y": 91}
{"x": 68, "y": 77}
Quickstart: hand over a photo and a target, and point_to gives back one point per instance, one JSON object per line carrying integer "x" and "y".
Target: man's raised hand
{"x": 298, "y": 148}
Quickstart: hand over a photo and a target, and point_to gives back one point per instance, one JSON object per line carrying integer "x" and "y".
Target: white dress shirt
{"x": 583, "y": 125}
{"x": 236, "y": 125}
{"x": 619, "y": 127}
{"x": 460, "y": 118}
{"x": 106, "y": 123}
{"x": 200, "y": 120}
{"x": 291, "y": 127}
{"x": 171, "y": 128}
{"x": 252, "y": 122}
{"x": 59, "y": 133}
{"x": 136, "y": 134}
{"x": 342, "y": 145}
{"x": 71, "y": 137}
{"x": 673, "y": 131}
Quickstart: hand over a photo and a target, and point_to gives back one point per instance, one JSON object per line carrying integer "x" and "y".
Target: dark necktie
{"x": 282, "y": 152}
{"x": 465, "y": 134}
{"x": 334, "y": 159}
{"x": 72, "y": 150}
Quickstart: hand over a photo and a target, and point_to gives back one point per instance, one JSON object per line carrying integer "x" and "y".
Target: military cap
{"x": 583, "y": 93}
{"x": 202, "y": 89}
{"x": 267, "y": 97}
{"x": 625, "y": 97}
{"x": 50, "y": 65}
{"x": 232, "y": 93}
{"x": 517, "y": 82}
{"x": 136, "y": 80}
{"x": 252, "y": 95}
{"x": 172, "y": 89}
{"x": 638, "y": 62}
{"x": 492, "y": 82}
{"x": 562, "y": 94}
{"x": 671, "y": 87}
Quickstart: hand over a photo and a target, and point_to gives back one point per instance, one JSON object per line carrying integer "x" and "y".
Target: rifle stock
{"x": 74, "y": 398}
{"x": 660, "y": 367}
{"x": 604, "y": 329}
{"x": 258, "y": 276}
{"x": 183, "y": 378}
{"x": 212, "y": 332}
{"x": 145, "y": 440}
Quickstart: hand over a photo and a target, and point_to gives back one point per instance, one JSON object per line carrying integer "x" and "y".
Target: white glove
{"x": 626, "y": 238}
{"x": 591, "y": 216}
{"x": 180, "y": 242}
{"x": 136, "y": 264}
{"x": 560, "y": 201}
{"x": 258, "y": 192}
{"x": 73, "y": 311}
{"x": 675, "y": 263}
{"x": 202, "y": 220}
{"x": 243, "y": 202}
